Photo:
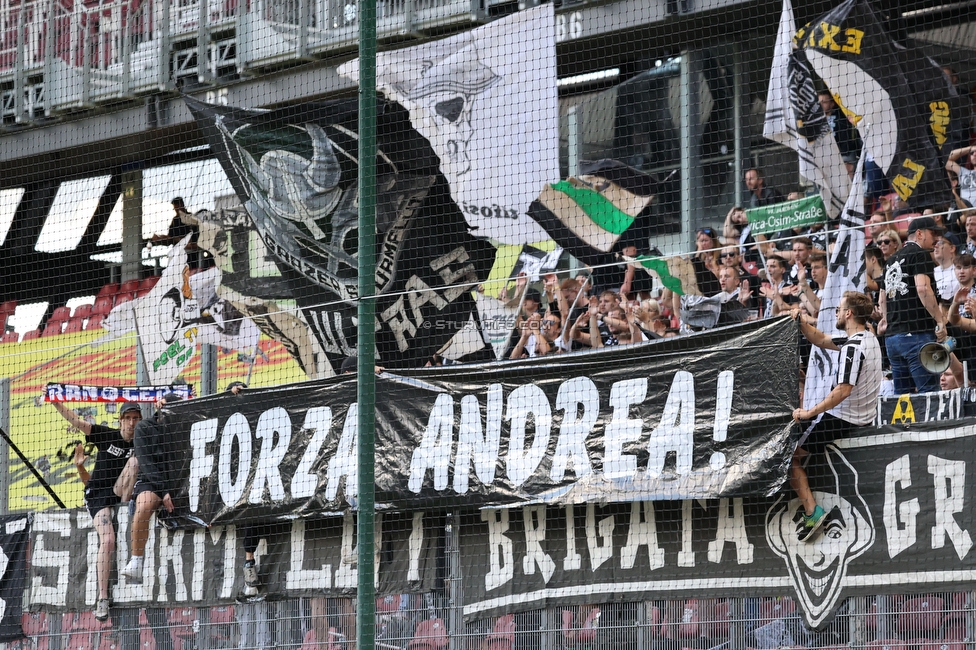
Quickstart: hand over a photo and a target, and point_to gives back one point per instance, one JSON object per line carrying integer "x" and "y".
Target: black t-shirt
{"x": 113, "y": 453}
{"x": 708, "y": 284}
{"x": 904, "y": 310}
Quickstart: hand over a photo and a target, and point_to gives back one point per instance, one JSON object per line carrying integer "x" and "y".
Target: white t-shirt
{"x": 946, "y": 282}
{"x": 859, "y": 364}
{"x": 967, "y": 185}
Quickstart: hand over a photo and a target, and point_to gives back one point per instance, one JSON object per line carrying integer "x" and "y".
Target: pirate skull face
{"x": 440, "y": 105}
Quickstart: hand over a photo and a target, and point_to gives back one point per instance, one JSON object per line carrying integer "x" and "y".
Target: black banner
{"x": 891, "y": 92}
{"x": 899, "y": 520}
{"x": 295, "y": 170}
{"x": 694, "y": 417}
{"x": 303, "y": 557}
{"x": 14, "y": 536}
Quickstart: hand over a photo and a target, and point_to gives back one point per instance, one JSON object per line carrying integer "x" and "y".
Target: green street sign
{"x": 789, "y": 214}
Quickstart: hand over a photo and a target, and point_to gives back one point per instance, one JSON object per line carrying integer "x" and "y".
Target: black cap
{"x": 348, "y": 365}
{"x": 169, "y": 398}
{"x": 952, "y": 238}
{"x": 129, "y": 406}
{"x": 533, "y": 294}
{"x": 924, "y": 223}
{"x": 234, "y": 384}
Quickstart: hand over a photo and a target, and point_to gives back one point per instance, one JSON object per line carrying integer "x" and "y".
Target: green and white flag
{"x": 789, "y": 214}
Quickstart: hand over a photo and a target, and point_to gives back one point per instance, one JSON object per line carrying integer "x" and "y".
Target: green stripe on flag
{"x": 603, "y": 213}
{"x": 660, "y": 267}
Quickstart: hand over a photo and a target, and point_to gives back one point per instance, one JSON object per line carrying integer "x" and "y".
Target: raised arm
{"x": 72, "y": 418}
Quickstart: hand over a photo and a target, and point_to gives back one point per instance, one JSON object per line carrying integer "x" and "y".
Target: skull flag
{"x": 295, "y": 171}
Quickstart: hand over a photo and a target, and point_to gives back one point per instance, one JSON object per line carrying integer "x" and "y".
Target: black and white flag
{"x": 844, "y": 273}
{"x": 14, "y": 535}
{"x": 794, "y": 118}
{"x": 863, "y": 68}
{"x": 486, "y": 101}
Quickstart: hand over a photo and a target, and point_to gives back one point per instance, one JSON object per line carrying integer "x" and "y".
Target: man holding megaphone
{"x": 851, "y": 403}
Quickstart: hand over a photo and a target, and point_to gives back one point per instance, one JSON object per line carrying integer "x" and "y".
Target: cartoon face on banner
{"x": 440, "y": 105}
{"x": 817, "y": 568}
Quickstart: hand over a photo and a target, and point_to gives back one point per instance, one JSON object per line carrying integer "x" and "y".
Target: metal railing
{"x": 61, "y": 55}
{"x": 935, "y": 621}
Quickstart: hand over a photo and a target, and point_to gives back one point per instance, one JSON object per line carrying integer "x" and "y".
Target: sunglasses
{"x": 884, "y": 242}
{"x": 549, "y": 323}
{"x": 707, "y": 231}
{"x": 727, "y": 255}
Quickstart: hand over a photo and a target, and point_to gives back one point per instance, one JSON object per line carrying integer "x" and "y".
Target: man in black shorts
{"x": 114, "y": 448}
{"x": 157, "y": 478}
{"x": 851, "y": 403}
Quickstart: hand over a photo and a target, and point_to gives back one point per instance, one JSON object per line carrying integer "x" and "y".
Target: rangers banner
{"x": 55, "y": 392}
{"x": 680, "y": 418}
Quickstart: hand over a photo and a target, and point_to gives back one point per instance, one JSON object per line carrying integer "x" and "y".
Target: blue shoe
{"x": 811, "y": 524}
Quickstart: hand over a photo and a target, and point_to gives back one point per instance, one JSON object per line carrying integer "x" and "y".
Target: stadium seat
{"x": 129, "y": 286}
{"x": 502, "y": 636}
{"x": 33, "y": 334}
{"x": 688, "y": 627}
{"x": 717, "y": 619}
{"x": 921, "y": 617}
{"x": 53, "y": 328}
{"x": 148, "y": 283}
{"x": 82, "y": 311}
{"x": 122, "y": 298}
{"x": 10, "y": 337}
{"x": 771, "y": 608}
{"x": 431, "y": 635}
{"x": 61, "y": 313}
{"x": 74, "y": 325}
{"x": 8, "y": 306}
{"x": 95, "y": 322}
{"x": 103, "y": 305}
{"x": 109, "y": 290}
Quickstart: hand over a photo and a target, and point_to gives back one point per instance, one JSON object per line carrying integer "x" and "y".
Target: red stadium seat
{"x": 8, "y": 306}
{"x": 148, "y": 283}
{"x": 921, "y": 617}
{"x": 502, "y": 637}
{"x": 10, "y": 337}
{"x": 431, "y": 635}
{"x": 109, "y": 290}
{"x": 688, "y": 627}
{"x": 103, "y": 305}
{"x": 53, "y": 328}
{"x": 61, "y": 313}
{"x": 74, "y": 325}
{"x": 129, "y": 286}
{"x": 33, "y": 334}
{"x": 122, "y": 298}
{"x": 95, "y": 322}
{"x": 82, "y": 311}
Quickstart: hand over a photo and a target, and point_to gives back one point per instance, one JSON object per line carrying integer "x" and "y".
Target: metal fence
{"x": 940, "y": 621}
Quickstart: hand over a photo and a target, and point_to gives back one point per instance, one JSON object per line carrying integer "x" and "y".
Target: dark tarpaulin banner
{"x": 900, "y": 519}
{"x": 695, "y": 417}
{"x": 302, "y": 557}
{"x": 14, "y": 536}
{"x": 874, "y": 82}
{"x": 295, "y": 171}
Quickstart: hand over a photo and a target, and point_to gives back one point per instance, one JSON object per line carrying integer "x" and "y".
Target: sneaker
{"x": 811, "y": 524}
{"x": 251, "y": 581}
{"x": 101, "y": 609}
{"x": 133, "y": 570}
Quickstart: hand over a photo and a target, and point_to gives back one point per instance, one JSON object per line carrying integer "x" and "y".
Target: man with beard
{"x": 851, "y": 403}
{"x": 114, "y": 449}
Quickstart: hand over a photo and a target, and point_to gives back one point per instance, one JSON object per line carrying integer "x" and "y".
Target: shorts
{"x": 822, "y": 431}
{"x": 140, "y": 487}
{"x": 98, "y": 501}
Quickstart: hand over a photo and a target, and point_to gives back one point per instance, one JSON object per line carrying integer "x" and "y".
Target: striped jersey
{"x": 859, "y": 364}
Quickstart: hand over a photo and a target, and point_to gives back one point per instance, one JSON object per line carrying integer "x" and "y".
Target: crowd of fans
{"x": 733, "y": 277}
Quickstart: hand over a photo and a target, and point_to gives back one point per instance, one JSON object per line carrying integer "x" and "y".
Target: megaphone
{"x": 935, "y": 356}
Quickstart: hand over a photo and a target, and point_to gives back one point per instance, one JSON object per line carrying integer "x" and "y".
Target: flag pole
{"x": 366, "y": 344}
